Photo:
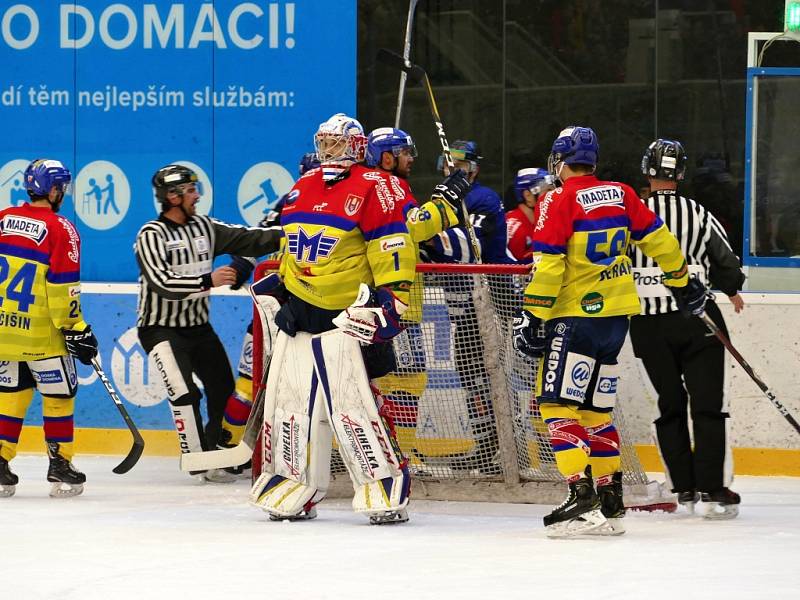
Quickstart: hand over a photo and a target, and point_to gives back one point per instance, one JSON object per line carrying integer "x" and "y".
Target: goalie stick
{"x": 749, "y": 370}
{"x": 239, "y": 454}
{"x": 138, "y": 442}
{"x": 417, "y": 73}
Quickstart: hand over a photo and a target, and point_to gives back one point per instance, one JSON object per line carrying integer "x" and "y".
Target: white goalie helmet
{"x": 340, "y": 138}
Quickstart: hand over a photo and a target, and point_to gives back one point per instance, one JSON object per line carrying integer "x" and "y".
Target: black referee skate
{"x": 689, "y": 499}
{"x": 721, "y": 504}
{"x": 66, "y": 479}
{"x": 8, "y": 480}
{"x": 580, "y": 513}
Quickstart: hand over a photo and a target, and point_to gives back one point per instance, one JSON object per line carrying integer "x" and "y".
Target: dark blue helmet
{"x": 664, "y": 159}
{"x": 575, "y": 145}
{"x": 462, "y": 150}
{"x": 42, "y": 174}
{"x": 308, "y": 162}
{"x": 388, "y": 139}
{"x": 534, "y": 180}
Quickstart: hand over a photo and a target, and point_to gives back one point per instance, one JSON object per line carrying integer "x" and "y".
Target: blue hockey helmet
{"x": 664, "y": 159}
{"x": 388, "y": 139}
{"x": 535, "y": 180}
{"x": 463, "y": 151}
{"x": 575, "y": 145}
{"x": 42, "y": 174}
{"x": 307, "y": 162}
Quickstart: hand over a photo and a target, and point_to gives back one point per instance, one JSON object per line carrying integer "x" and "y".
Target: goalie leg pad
{"x": 297, "y": 437}
{"x": 379, "y": 471}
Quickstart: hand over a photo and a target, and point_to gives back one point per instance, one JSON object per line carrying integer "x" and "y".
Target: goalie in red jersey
{"x": 344, "y": 281}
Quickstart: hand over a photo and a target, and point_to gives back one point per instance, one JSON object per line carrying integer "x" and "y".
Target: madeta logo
{"x": 310, "y": 248}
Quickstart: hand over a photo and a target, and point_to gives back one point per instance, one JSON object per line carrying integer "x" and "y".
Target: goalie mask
{"x": 664, "y": 159}
{"x": 339, "y": 142}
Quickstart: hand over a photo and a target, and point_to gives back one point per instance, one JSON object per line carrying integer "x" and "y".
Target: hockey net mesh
{"x": 462, "y": 400}
{"x": 459, "y": 381}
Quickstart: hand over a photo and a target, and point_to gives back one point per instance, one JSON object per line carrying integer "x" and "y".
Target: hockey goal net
{"x": 462, "y": 400}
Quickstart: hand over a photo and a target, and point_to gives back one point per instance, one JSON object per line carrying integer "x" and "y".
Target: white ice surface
{"x": 157, "y": 533}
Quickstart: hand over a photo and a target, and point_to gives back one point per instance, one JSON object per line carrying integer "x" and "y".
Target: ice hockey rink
{"x": 157, "y": 533}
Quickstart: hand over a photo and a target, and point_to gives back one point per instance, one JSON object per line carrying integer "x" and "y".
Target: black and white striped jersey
{"x": 704, "y": 244}
{"x": 175, "y": 263}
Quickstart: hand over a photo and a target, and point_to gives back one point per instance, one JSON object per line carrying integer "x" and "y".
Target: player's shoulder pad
{"x": 69, "y": 227}
{"x": 483, "y": 197}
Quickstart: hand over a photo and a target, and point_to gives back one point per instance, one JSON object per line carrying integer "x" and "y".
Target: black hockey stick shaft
{"x": 136, "y": 450}
{"x": 417, "y": 73}
{"x": 749, "y": 370}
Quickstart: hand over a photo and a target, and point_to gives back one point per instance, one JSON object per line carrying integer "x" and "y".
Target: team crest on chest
{"x": 310, "y": 248}
{"x": 352, "y": 204}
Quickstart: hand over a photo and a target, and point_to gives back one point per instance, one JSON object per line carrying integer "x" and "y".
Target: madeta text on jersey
{"x": 242, "y": 25}
{"x": 15, "y": 321}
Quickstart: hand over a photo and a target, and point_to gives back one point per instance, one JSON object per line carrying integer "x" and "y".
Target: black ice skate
{"x": 721, "y": 504}
{"x": 688, "y": 499}
{"x": 8, "y": 480}
{"x": 389, "y": 517}
{"x": 580, "y": 513}
{"x": 612, "y": 506}
{"x": 67, "y": 480}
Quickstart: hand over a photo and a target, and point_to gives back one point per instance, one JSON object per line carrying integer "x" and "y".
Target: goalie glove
{"x": 529, "y": 338}
{"x": 453, "y": 191}
{"x": 373, "y": 317}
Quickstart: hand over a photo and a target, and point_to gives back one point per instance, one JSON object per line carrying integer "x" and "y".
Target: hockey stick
{"x": 243, "y": 451}
{"x": 239, "y": 454}
{"x": 401, "y": 92}
{"x": 749, "y": 370}
{"x": 138, "y": 442}
{"x": 417, "y": 73}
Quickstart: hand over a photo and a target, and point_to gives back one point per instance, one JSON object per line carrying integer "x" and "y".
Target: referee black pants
{"x": 686, "y": 365}
{"x": 197, "y": 350}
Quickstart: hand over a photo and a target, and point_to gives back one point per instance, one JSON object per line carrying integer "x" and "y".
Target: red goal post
{"x": 462, "y": 400}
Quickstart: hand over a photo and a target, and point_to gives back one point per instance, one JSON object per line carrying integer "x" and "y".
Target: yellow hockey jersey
{"x": 581, "y": 266}
{"x": 40, "y": 289}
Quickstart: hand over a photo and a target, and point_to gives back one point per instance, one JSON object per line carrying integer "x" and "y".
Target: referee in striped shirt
{"x": 175, "y": 253}
{"x": 683, "y": 360}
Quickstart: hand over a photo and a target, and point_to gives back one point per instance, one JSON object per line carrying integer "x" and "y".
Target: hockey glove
{"x": 691, "y": 299}
{"x": 81, "y": 344}
{"x": 453, "y": 190}
{"x": 244, "y": 268}
{"x": 529, "y": 339}
{"x": 373, "y": 317}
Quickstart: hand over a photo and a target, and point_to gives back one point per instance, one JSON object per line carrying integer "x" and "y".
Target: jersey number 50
{"x": 597, "y": 241}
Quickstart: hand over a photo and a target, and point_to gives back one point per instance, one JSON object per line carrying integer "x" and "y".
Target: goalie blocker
{"x": 305, "y": 408}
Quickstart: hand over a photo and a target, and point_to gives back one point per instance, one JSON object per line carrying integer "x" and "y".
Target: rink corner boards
{"x": 747, "y": 461}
